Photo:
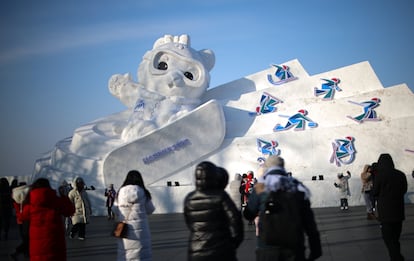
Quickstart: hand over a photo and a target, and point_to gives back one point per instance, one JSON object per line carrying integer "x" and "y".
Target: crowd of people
{"x": 272, "y": 200}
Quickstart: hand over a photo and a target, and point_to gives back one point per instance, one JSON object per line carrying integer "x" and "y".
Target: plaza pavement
{"x": 345, "y": 236}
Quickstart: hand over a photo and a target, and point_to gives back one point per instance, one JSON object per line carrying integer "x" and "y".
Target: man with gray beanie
{"x": 285, "y": 216}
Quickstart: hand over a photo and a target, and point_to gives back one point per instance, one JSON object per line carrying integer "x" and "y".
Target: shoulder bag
{"x": 121, "y": 228}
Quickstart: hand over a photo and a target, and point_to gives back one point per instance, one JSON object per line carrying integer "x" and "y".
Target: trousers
{"x": 78, "y": 228}
{"x": 275, "y": 253}
{"x": 391, "y": 232}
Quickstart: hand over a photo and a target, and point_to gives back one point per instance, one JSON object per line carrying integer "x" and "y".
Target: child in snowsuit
{"x": 343, "y": 187}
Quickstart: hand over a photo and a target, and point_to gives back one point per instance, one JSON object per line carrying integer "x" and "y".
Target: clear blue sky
{"x": 56, "y": 56}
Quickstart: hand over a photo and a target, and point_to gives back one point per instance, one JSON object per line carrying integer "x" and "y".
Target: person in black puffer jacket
{"x": 215, "y": 223}
{"x": 390, "y": 186}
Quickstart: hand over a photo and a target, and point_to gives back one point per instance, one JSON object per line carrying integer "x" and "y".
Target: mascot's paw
{"x": 118, "y": 127}
{"x": 134, "y": 131}
{"x": 117, "y": 83}
{"x": 123, "y": 88}
{"x": 177, "y": 115}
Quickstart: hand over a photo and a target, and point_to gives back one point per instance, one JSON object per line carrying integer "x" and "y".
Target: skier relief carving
{"x": 172, "y": 77}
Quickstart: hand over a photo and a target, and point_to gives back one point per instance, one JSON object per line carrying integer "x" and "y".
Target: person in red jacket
{"x": 44, "y": 210}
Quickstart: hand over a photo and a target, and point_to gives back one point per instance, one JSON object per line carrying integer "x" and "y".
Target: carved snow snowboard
{"x": 161, "y": 152}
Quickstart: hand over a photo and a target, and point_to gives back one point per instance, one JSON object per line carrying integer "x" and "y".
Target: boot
{"x": 342, "y": 204}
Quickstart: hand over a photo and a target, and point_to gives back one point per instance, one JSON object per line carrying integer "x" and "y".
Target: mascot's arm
{"x": 123, "y": 88}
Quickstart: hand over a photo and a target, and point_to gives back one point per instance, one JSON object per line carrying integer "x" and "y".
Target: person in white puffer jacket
{"x": 83, "y": 209}
{"x": 133, "y": 205}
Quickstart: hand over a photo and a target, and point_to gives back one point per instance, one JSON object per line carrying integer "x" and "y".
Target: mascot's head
{"x": 173, "y": 68}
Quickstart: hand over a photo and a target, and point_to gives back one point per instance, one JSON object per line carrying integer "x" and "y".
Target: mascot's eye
{"x": 162, "y": 66}
{"x": 189, "y": 75}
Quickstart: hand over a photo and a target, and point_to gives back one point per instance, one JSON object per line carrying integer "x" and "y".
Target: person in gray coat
{"x": 234, "y": 189}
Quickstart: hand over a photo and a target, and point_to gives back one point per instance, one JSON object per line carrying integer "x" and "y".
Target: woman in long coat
{"x": 133, "y": 204}
{"x": 44, "y": 211}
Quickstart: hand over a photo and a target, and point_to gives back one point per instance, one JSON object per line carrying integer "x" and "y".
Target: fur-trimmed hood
{"x": 19, "y": 194}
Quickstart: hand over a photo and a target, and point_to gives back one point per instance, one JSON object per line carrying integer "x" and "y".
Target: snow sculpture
{"x": 233, "y": 127}
{"x": 172, "y": 78}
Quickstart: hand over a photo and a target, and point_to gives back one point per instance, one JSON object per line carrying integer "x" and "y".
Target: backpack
{"x": 281, "y": 221}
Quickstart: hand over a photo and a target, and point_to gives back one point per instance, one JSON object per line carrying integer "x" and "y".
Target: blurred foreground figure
{"x": 6, "y": 207}
{"x": 285, "y": 216}
{"x": 214, "y": 221}
{"x": 390, "y": 187}
{"x": 44, "y": 211}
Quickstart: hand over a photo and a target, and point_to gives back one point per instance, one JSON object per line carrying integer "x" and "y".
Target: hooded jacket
{"x": 366, "y": 179}
{"x": 44, "y": 211}
{"x": 343, "y": 185}
{"x": 82, "y": 204}
{"x": 215, "y": 223}
{"x": 133, "y": 207}
{"x": 19, "y": 195}
{"x": 390, "y": 185}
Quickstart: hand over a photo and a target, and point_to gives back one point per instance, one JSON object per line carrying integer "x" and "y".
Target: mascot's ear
{"x": 208, "y": 58}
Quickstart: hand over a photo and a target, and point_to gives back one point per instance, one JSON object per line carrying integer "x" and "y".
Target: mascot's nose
{"x": 176, "y": 79}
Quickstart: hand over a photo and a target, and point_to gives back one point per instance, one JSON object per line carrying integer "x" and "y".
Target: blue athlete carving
{"x": 298, "y": 120}
{"x": 282, "y": 73}
{"x": 328, "y": 88}
{"x": 369, "y": 113}
{"x": 343, "y": 151}
{"x": 267, "y": 147}
{"x": 267, "y": 104}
